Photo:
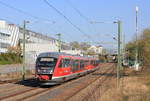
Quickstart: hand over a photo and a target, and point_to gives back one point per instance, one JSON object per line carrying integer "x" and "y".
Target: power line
{"x": 23, "y": 12}
{"x": 66, "y": 18}
{"x": 78, "y": 11}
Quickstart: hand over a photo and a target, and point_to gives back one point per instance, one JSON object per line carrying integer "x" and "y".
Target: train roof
{"x": 57, "y": 54}
{"x": 52, "y": 54}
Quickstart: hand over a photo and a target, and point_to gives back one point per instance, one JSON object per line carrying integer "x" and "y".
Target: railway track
{"x": 19, "y": 87}
{"x": 15, "y": 94}
{"x": 100, "y": 84}
{"x": 85, "y": 98}
{"x": 28, "y": 97}
{"x": 33, "y": 92}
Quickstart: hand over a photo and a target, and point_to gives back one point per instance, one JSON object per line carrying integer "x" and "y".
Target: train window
{"x": 64, "y": 63}
{"x": 94, "y": 62}
{"x": 82, "y": 64}
{"x": 75, "y": 65}
{"x": 97, "y": 63}
{"x": 91, "y": 62}
{"x": 86, "y": 62}
{"x": 61, "y": 63}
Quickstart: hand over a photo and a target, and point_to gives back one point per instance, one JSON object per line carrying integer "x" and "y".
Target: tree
{"x": 75, "y": 44}
{"x": 143, "y": 48}
{"x": 84, "y": 46}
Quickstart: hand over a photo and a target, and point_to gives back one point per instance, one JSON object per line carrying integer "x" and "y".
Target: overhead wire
{"x": 66, "y": 18}
{"x": 80, "y": 14}
{"x": 78, "y": 11}
{"x": 86, "y": 19}
{"x": 23, "y": 12}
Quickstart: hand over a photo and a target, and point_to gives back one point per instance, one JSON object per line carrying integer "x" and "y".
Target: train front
{"x": 44, "y": 70}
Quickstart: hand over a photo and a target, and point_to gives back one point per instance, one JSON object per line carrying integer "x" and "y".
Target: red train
{"x": 54, "y": 68}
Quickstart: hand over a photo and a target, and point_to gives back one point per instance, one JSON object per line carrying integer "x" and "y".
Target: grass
{"x": 135, "y": 87}
{"x": 5, "y": 62}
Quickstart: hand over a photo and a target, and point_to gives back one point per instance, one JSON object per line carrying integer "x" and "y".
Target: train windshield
{"x": 46, "y": 62}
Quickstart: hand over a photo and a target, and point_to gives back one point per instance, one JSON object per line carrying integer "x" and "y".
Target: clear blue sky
{"x": 94, "y": 10}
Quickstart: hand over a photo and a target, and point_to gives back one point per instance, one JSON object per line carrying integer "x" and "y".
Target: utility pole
{"x": 123, "y": 48}
{"x": 119, "y": 65}
{"x": 24, "y": 39}
{"x": 120, "y": 47}
{"x": 59, "y": 42}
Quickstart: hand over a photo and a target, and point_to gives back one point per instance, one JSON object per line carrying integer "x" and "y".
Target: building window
{"x": 4, "y": 45}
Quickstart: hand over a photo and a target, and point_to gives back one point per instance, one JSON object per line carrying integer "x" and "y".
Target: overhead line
{"x": 77, "y": 10}
{"x": 23, "y": 12}
{"x": 67, "y": 19}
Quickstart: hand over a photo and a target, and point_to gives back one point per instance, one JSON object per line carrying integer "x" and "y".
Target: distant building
{"x": 11, "y": 35}
{"x": 8, "y": 35}
{"x": 96, "y": 49}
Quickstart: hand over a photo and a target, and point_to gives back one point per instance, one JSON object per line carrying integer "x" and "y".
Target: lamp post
{"x": 24, "y": 39}
{"x": 136, "y": 54}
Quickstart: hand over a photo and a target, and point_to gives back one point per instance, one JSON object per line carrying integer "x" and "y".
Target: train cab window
{"x": 64, "y": 63}
{"x": 46, "y": 62}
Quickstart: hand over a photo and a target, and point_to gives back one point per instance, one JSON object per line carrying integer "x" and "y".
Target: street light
{"x": 136, "y": 54}
{"x": 24, "y": 39}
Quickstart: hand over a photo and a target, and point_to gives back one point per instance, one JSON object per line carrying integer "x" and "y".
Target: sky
{"x": 80, "y": 13}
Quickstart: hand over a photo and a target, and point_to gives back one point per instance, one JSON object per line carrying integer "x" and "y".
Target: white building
{"x": 11, "y": 35}
{"x": 96, "y": 49}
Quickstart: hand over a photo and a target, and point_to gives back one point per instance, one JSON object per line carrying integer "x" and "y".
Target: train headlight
{"x": 38, "y": 70}
{"x": 51, "y": 71}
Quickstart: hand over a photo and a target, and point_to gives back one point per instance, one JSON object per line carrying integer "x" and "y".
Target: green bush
{"x": 10, "y": 58}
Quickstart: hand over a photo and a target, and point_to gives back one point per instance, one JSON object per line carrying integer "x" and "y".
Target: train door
{"x": 86, "y": 66}
{"x": 75, "y": 65}
{"x": 82, "y": 64}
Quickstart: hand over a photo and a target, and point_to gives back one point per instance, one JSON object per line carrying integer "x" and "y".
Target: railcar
{"x": 54, "y": 67}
